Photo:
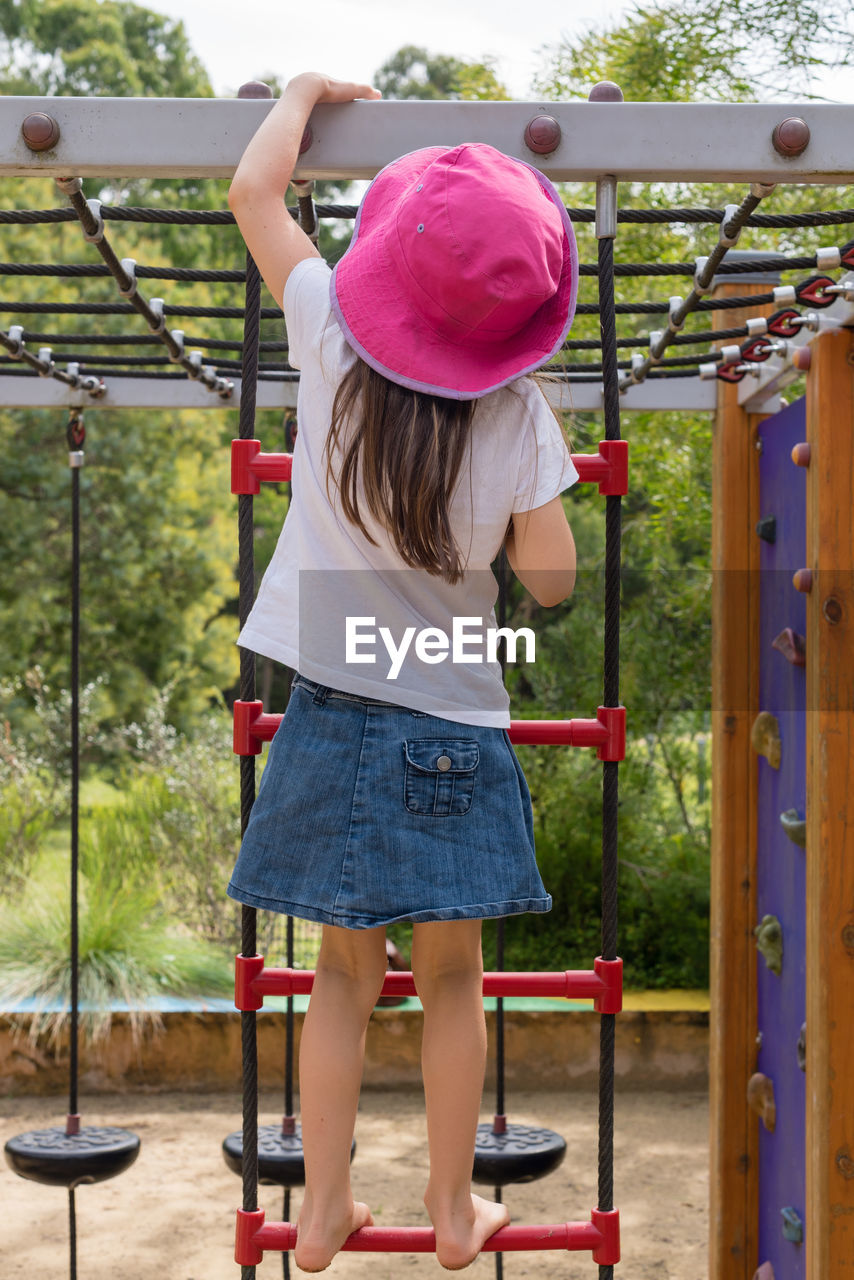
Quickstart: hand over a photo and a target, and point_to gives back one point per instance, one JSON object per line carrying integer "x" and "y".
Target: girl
{"x": 391, "y": 790}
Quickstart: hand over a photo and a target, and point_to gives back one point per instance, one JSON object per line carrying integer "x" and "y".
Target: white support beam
{"x": 775, "y": 375}
{"x": 655, "y": 395}
{"x": 637, "y": 141}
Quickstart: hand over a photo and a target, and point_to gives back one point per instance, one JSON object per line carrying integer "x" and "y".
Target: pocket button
{"x": 443, "y": 763}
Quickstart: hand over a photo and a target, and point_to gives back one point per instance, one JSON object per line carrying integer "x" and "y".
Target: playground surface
{"x": 171, "y": 1215}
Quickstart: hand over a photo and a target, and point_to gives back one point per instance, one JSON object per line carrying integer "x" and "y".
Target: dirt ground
{"x": 171, "y": 1215}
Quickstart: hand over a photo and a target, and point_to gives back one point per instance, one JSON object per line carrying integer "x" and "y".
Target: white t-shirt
{"x": 354, "y": 616}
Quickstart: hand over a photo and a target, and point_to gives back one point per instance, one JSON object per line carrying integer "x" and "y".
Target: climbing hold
{"x": 802, "y": 359}
{"x": 62, "y": 1159}
{"x": 765, "y": 738}
{"x": 280, "y": 1158}
{"x": 795, "y": 827}
{"x": 802, "y": 1047}
{"x": 765, "y": 1272}
{"x": 801, "y": 454}
{"x": 767, "y": 528}
{"x": 506, "y": 1153}
{"x": 793, "y": 1227}
{"x": 769, "y": 942}
{"x": 802, "y": 580}
{"x": 760, "y": 1098}
{"x": 793, "y": 647}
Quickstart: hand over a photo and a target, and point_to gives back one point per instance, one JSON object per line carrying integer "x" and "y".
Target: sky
{"x": 351, "y": 39}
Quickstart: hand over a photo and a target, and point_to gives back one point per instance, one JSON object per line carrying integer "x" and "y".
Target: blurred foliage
{"x": 414, "y": 73}
{"x": 690, "y": 50}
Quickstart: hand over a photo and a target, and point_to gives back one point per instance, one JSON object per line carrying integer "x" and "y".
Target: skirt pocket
{"x": 440, "y": 775}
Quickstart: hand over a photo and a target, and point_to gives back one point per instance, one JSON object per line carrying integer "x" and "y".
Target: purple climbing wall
{"x": 781, "y": 882}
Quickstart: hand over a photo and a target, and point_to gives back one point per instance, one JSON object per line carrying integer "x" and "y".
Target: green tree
{"x": 111, "y": 48}
{"x": 689, "y": 50}
{"x": 412, "y": 72}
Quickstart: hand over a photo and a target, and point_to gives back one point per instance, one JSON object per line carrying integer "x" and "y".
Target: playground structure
{"x": 741, "y": 385}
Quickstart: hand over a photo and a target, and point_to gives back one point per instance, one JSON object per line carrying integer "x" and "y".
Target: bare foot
{"x": 320, "y": 1238}
{"x": 461, "y": 1235}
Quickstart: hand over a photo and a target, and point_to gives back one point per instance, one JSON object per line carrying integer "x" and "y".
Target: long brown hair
{"x": 409, "y": 448}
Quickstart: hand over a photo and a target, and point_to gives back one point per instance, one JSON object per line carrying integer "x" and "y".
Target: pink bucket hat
{"x": 462, "y": 272}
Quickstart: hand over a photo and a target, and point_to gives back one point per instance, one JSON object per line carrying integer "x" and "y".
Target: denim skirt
{"x": 369, "y": 813}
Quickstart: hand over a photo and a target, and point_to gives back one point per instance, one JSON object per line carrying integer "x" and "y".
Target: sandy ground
{"x": 171, "y": 1216}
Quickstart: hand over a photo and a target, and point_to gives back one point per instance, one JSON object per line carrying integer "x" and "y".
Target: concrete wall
{"x": 201, "y": 1051}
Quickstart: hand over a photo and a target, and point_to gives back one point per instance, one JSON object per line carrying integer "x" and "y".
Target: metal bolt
{"x": 41, "y": 131}
{"x": 832, "y": 610}
{"x": 306, "y": 140}
{"x": 542, "y": 135}
{"x": 791, "y": 136}
{"x": 605, "y": 91}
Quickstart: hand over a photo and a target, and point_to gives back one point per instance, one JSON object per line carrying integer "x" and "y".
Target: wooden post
{"x": 734, "y": 1143}
{"x": 829, "y": 1234}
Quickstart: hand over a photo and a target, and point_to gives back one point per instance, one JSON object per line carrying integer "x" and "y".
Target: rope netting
{"x": 215, "y": 359}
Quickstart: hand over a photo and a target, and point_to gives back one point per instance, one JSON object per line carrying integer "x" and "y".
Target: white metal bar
{"x": 637, "y": 141}
{"x": 654, "y": 395}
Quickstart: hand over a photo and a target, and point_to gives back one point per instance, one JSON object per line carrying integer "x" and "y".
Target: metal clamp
{"x": 44, "y": 358}
{"x": 729, "y": 240}
{"x": 656, "y": 345}
{"x": 129, "y": 268}
{"x": 700, "y": 265}
{"x": 96, "y": 236}
{"x": 756, "y": 326}
{"x": 16, "y": 336}
{"x": 828, "y": 259}
{"x": 675, "y": 305}
{"x": 177, "y": 336}
{"x": 156, "y": 305}
{"x": 784, "y": 295}
{"x": 637, "y": 370}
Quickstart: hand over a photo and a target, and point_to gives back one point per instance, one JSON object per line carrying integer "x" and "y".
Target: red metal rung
{"x": 603, "y": 984}
{"x": 597, "y": 1235}
{"x": 252, "y": 726}
{"x": 249, "y": 466}
{"x": 609, "y": 468}
{"x": 607, "y": 1223}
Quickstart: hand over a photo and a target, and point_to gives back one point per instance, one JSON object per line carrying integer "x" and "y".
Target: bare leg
{"x": 350, "y": 972}
{"x": 448, "y": 969}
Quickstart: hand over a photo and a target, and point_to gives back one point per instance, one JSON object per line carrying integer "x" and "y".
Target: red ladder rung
{"x": 607, "y": 733}
{"x": 609, "y": 468}
{"x": 603, "y": 983}
{"x": 601, "y": 1235}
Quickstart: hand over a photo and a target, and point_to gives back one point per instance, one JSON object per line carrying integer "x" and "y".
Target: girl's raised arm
{"x": 256, "y": 196}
